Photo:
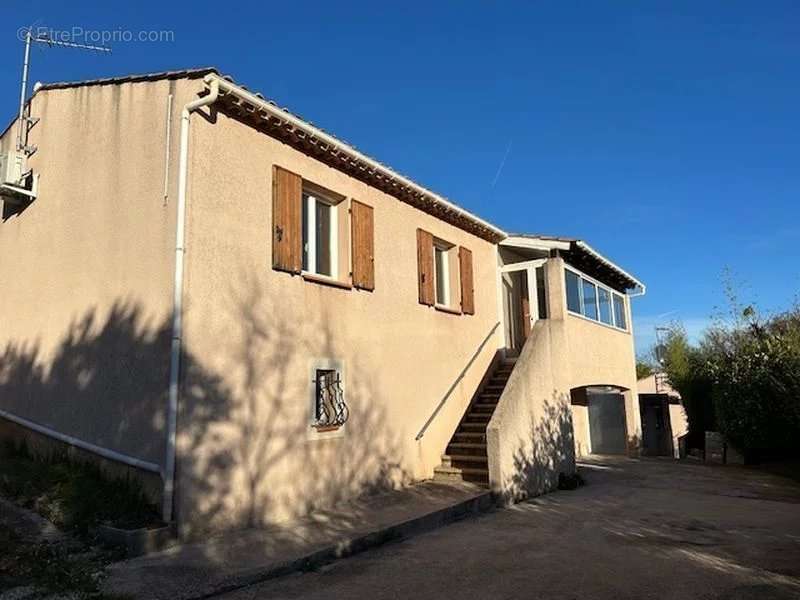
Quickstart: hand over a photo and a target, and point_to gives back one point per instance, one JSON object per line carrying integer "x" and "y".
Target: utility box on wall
{"x": 12, "y": 168}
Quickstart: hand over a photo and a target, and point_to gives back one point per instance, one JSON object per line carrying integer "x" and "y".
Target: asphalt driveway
{"x": 638, "y": 529}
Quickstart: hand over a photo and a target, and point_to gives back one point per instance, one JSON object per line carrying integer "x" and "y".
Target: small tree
{"x": 755, "y": 369}
{"x": 685, "y": 367}
{"x": 644, "y": 368}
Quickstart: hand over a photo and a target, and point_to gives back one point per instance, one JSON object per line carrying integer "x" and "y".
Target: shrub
{"x": 73, "y": 495}
{"x": 755, "y": 371}
{"x": 743, "y": 380}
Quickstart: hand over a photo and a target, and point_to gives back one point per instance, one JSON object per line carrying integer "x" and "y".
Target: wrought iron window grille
{"x": 331, "y": 409}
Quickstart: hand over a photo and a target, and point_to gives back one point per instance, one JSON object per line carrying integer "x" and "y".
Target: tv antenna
{"x": 39, "y": 38}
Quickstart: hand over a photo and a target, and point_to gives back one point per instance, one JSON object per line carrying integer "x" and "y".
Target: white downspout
{"x": 177, "y": 309}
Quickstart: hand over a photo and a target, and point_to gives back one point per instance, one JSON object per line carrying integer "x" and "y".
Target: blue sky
{"x": 665, "y": 134}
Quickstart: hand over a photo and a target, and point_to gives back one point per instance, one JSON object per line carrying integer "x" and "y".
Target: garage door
{"x": 607, "y": 423}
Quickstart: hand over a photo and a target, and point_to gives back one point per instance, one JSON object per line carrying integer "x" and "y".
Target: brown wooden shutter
{"x": 467, "y": 285}
{"x": 425, "y": 267}
{"x": 287, "y": 220}
{"x": 363, "y": 245}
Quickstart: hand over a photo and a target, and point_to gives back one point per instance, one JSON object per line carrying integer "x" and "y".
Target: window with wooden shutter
{"x": 425, "y": 267}
{"x": 363, "y": 245}
{"x": 467, "y": 285}
{"x": 287, "y": 220}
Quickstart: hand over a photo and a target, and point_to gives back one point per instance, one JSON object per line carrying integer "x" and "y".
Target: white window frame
{"x": 625, "y": 314}
{"x": 610, "y": 293}
{"x": 311, "y": 199}
{"x": 445, "y": 274}
{"x": 596, "y": 300}
{"x": 582, "y": 276}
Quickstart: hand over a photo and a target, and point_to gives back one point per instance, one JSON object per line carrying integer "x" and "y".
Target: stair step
{"x": 468, "y": 427}
{"x": 483, "y": 407}
{"x": 475, "y": 475}
{"x": 453, "y": 459}
{"x": 477, "y": 417}
{"x": 445, "y": 469}
{"x": 466, "y": 445}
{"x": 468, "y": 437}
{"x": 471, "y": 448}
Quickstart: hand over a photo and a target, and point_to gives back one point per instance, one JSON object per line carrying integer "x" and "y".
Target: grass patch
{"x": 75, "y": 496}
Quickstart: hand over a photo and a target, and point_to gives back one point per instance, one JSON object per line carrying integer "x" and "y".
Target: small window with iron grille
{"x": 330, "y": 409}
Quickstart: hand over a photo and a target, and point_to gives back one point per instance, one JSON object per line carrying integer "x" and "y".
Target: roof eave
{"x": 256, "y": 108}
{"x": 640, "y": 289}
{"x": 534, "y": 243}
{"x": 547, "y": 243}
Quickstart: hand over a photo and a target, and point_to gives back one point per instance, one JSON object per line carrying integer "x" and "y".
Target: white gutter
{"x": 177, "y": 309}
{"x": 515, "y": 241}
{"x": 78, "y": 443}
{"x": 231, "y": 88}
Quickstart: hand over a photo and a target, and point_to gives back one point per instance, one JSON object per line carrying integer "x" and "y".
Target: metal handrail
{"x": 455, "y": 383}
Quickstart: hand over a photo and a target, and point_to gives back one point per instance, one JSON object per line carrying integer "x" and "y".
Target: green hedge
{"x": 742, "y": 380}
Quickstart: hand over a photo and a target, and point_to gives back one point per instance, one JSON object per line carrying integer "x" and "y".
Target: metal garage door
{"x": 607, "y": 423}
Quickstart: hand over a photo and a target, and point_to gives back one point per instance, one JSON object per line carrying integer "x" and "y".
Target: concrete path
{"x": 243, "y": 558}
{"x": 639, "y": 529}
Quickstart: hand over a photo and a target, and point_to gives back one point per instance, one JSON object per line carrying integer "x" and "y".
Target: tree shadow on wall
{"x": 250, "y": 457}
{"x": 550, "y": 451}
{"x": 247, "y": 453}
{"x": 104, "y": 381}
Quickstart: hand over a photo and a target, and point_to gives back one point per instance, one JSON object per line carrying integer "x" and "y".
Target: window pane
{"x": 324, "y": 238}
{"x": 619, "y": 312}
{"x": 541, "y": 293}
{"x": 442, "y": 283}
{"x": 573, "y": 293}
{"x": 604, "y": 297}
{"x": 589, "y": 300}
{"x": 305, "y": 232}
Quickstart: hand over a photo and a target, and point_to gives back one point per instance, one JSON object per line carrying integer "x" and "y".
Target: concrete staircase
{"x": 466, "y": 458}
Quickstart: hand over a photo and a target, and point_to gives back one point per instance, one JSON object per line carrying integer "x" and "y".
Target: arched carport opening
{"x": 599, "y": 410}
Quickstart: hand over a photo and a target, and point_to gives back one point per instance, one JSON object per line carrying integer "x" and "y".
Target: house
{"x": 664, "y": 421}
{"x": 206, "y": 292}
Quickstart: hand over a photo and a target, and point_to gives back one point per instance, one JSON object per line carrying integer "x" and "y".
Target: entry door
{"x": 520, "y": 304}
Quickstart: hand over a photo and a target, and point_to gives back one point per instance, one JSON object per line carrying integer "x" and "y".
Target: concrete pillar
{"x": 633, "y": 422}
{"x": 556, "y": 296}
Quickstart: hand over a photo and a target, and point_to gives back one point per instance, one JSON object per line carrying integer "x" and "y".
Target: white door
{"x": 520, "y": 302}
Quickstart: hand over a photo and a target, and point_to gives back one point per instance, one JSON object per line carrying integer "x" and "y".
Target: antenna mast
{"x": 22, "y": 134}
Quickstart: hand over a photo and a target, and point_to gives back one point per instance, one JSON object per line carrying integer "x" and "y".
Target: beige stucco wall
{"x": 530, "y": 436}
{"x": 247, "y": 453}
{"x": 597, "y": 355}
{"x": 536, "y": 431}
{"x": 86, "y": 269}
